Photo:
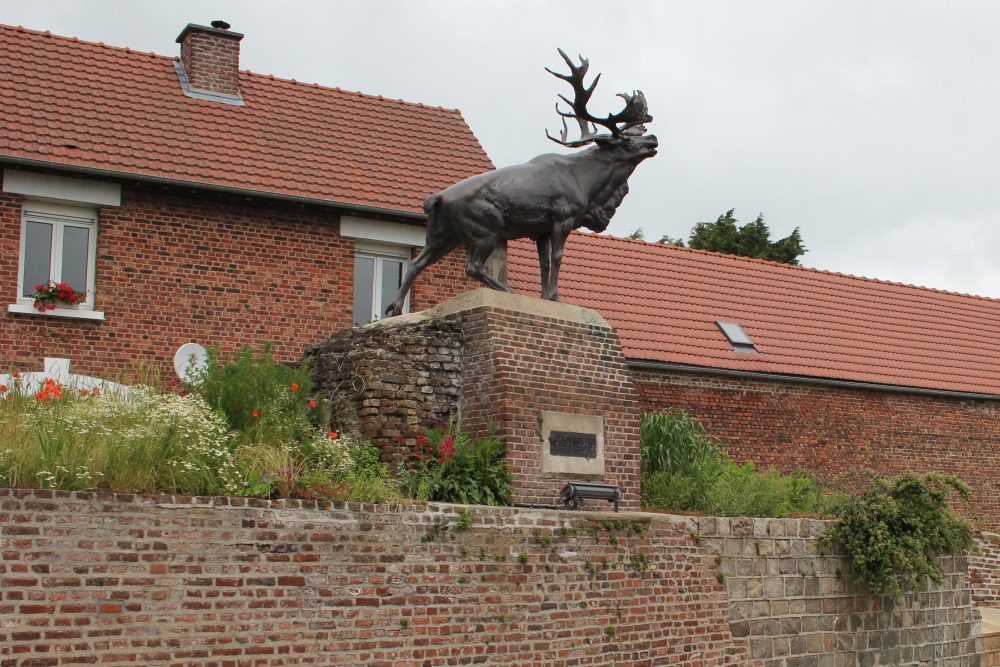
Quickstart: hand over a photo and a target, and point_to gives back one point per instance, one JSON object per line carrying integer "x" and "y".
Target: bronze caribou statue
{"x": 544, "y": 199}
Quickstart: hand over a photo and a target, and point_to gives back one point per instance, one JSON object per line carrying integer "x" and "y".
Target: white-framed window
{"x": 378, "y": 274}
{"x": 58, "y": 243}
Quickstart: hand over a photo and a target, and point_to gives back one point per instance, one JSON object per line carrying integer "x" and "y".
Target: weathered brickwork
{"x": 984, "y": 571}
{"x": 991, "y": 651}
{"x": 178, "y": 265}
{"x": 833, "y": 430}
{"x": 98, "y": 578}
{"x": 397, "y": 380}
{"x": 90, "y": 578}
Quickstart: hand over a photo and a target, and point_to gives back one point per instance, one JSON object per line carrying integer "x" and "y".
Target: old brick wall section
{"x": 98, "y": 578}
{"x": 88, "y": 578}
{"x": 178, "y": 265}
{"x": 397, "y": 381}
{"x": 833, "y": 430}
{"x": 984, "y": 571}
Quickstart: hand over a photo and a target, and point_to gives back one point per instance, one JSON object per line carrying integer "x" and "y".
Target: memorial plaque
{"x": 567, "y": 443}
{"x": 572, "y": 446}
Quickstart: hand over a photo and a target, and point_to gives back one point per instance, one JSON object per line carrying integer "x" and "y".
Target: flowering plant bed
{"x": 52, "y": 294}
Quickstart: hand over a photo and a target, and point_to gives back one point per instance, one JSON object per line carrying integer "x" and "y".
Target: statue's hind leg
{"x": 436, "y": 248}
{"x": 479, "y": 251}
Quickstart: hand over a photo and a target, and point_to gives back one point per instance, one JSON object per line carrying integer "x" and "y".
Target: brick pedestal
{"x": 549, "y": 378}
{"x": 532, "y": 367}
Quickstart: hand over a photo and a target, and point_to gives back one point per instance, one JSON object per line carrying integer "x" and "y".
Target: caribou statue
{"x": 545, "y": 198}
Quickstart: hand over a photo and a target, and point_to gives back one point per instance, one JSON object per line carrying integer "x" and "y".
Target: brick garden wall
{"x": 833, "y": 430}
{"x": 181, "y": 265}
{"x": 796, "y": 604}
{"x": 96, "y": 578}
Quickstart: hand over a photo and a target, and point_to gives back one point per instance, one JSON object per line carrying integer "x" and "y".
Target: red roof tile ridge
{"x": 77, "y": 40}
{"x": 355, "y": 93}
{"x": 788, "y": 267}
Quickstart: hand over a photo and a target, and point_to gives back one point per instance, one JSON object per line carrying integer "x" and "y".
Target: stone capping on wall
{"x": 129, "y": 579}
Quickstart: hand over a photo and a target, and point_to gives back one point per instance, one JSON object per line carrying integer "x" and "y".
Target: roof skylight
{"x": 734, "y": 332}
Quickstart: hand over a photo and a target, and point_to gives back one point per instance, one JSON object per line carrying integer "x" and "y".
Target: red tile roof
{"x": 93, "y": 106}
{"x": 664, "y": 302}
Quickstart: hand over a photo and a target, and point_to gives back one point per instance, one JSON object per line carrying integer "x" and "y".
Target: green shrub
{"x": 896, "y": 528}
{"x": 450, "y": 467}
{"x": 264, "y": 401}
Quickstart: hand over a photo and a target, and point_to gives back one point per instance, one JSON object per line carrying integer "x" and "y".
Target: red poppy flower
{"x": 332, "y": 434}
{"x": 295, "y": 386}
{"x": 312, "y": 404}
{"x": 256, "y": 413}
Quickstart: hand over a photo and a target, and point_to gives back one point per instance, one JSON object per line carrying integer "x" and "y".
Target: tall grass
{"x": 253, "y": 429}
{"x": 685, "y": 469}
{"x": 145, "y": 442}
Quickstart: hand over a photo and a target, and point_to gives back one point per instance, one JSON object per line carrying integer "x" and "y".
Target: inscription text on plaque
{"x": 567, "y": 443}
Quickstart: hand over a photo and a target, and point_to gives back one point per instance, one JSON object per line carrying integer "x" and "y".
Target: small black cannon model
{"x": 574, "y": 493}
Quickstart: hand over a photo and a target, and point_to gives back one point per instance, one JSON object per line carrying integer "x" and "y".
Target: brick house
{"x": 794, "y": 367}
{"x": 194, "y": 202}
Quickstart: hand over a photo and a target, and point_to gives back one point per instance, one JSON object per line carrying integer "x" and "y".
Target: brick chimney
{"x": 210, "y": 58}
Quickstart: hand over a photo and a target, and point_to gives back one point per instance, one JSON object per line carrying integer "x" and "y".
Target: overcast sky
{"x": 872, "y": 126}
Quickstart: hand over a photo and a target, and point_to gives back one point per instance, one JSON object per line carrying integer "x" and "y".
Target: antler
{"x": 634, "y": 114}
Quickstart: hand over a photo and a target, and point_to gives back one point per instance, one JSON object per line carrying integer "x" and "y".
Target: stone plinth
{"x": 533, "y": 367}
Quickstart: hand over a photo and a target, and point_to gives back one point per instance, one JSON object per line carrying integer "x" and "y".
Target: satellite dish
{"x": 189, "y": 362}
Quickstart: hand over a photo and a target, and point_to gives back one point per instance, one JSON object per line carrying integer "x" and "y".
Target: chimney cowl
{"x": 210, "y": 60}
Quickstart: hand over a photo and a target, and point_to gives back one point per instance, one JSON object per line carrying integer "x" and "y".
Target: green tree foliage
{"x": 666, "y": 239}
{"x": 750, "y": 240}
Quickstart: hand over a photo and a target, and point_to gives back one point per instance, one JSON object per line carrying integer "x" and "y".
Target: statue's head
{"x": 626, "y": 130}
